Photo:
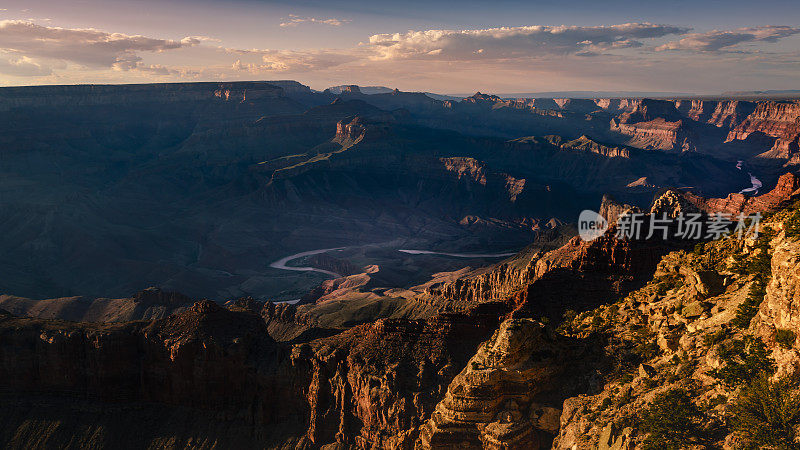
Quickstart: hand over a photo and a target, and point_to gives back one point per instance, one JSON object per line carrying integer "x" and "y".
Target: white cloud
{"x": 717, "y": 40}
{"x": 23, "y": 67}
{"x": 294, "y": 20}
{"x": 509, "y": 58}
{"x": 293, "y": 60}
{"x": 84, "y": 47}
{"x": 447, "y": 45}
{"x": 514, "y": 42}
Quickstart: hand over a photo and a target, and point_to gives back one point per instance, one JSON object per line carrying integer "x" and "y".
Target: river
{"x": 281, "y": 263}
{"x": 459, "y": 255}
{"x": 755, "y": 182}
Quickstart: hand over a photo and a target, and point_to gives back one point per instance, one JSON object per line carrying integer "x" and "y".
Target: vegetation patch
{"x": 767, "y": 414}
{"x": 757, "y": 265}
{"x": 672, "y": 421}
{"x": 716, "y": 337}
{"x": 745, "y": 359}
{"x": 785, "y": 338}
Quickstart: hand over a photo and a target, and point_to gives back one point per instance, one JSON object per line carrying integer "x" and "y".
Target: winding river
{"x": 755, "y": 182}
{"x": 459, "y": 255}
{"x": 281, "y": 263}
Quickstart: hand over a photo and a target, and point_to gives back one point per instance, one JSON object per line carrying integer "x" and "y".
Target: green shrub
{"x": 749, "y": 308}
{"x": 625, "y": 398}
{"x": 758, "y": 261}
{"x": 686, "y": 369}
{"x": 626, "y": 377}
{"x": 757, "y": 265}
{"x": 785, "y": 338}
{"x": 791, "y": 225}
{"x": 717, "y": 400}
{"x": 715, "y": 338}
{"x": 745, "y": 359}
{"x": 766, "y": 413}
{"x": 650, "y": 383}
{"x": 672, "y": 421}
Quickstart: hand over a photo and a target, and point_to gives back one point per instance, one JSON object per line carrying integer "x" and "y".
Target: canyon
{"x": 262, "y": 265}
{"x": 246, "y": 173}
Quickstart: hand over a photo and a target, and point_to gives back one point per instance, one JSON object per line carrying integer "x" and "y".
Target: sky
{"x": 499, "y": 46}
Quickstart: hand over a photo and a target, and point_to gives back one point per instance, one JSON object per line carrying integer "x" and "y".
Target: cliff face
{"x": 206, "y": 360}
{"x": 658, "y": 134}
{"x": 373, "y": 386}
{"x": 777, "y": 119}
{"x": 734, "y": 204}
{"x": 370, "y": 386}
{"x": 695, "y": 315}
{"x": 98, "y": 95}
{"x": 705, "y": 126}
{"x": 680, "y": 332}
{"x": 510, "y": 392}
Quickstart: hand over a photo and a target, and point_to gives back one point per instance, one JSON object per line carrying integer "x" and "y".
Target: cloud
{"x": 85, "y": 47}
{"x": 717, "y": 40}
{"x": 544, "y": 57}
{"x": 514, "y": 42}
{"x": 294, "y": 20}
{"x": 23, "y": 67}
{"x": 447, "y": 45}
{"x": 293, "y": 60}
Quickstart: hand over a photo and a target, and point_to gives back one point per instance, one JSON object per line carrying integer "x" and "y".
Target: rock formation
{"x": 493, "y": 402}
{"x": 198, "y": 188}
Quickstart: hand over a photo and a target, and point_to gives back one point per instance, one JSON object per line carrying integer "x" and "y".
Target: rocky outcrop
{"x": 587, "y": 144}
{"x": 149, "y": 304}
{"x": 734, "y": 204}
{"x": 699, "y": 110}
{"x": 496, "y": 401}
{"x": 466, "y": 167}
{"x": 780, "y": 309}
{"x": 206, "y": 359}
{"x": 656, "y": 134}
{"x": 691, "y": 323}
{"x": 673, "y": 204}
{"x": 730, "y": 114}
{"x": 349, "y": 133}
{"x": 210, "y": 360}
{"x": 777, "y": 119}
{"x": 611, "y": 210}
{"x": 648, "y": 110}
{"x": 498, "y": 284}
{"x": 374, "y": 385}
{"x": 578, "y": 105}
